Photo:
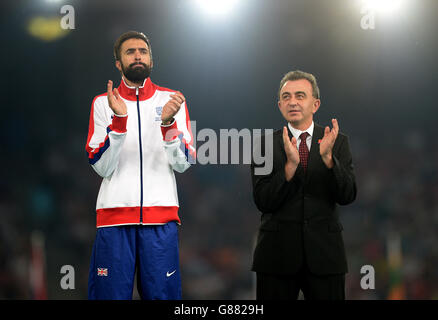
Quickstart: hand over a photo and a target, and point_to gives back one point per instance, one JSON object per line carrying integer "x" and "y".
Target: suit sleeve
{"x": 178, "y": 141}
{"x": 105, "y": 139}
{"x": 270, "y": 191}
{"x": 344, "y": 181}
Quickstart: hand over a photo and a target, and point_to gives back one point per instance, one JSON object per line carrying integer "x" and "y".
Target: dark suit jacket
{"x": 300, "y": 220}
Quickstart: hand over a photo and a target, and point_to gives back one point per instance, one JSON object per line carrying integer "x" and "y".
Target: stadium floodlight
{"x": 217, "y": 7}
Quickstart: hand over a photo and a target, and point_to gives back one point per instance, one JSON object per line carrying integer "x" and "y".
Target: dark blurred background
{"x": 378, "y": 83}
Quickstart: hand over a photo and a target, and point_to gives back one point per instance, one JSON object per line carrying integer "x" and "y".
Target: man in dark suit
{"x": 300, "y": 244}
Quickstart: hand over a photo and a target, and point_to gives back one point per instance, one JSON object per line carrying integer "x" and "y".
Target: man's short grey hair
{"x": 298, "y": 75}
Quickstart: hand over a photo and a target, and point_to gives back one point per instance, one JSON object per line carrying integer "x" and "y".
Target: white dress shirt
{"x": 296, "y": 133}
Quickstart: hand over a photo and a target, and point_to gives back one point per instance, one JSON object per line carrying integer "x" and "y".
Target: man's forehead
{"x": 297, "y": 85}
{"x": 134, "y": 43}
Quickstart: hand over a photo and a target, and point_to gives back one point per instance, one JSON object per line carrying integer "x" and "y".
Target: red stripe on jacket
{"x": 131, "y": 215}
{"x": 91, "y": 128}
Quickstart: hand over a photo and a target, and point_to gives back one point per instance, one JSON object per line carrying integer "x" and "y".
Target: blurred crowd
{"x": 55, "y": 195}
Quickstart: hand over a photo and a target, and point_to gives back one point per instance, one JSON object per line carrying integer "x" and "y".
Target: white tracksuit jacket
{"x": 135, "y": 155}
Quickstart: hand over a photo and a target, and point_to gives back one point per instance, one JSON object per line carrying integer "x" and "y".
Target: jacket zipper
{"x": 141, "y": 157}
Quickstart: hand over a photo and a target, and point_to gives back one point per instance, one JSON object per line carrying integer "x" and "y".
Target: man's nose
{"x": 137, "y": 55}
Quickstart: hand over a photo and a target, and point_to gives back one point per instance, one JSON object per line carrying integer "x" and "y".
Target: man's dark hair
{"x": 298, "y": 75}
{"x": 130, "y": 35}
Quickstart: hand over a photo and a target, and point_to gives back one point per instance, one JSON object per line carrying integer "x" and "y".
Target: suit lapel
{"x": 314, "y": 156}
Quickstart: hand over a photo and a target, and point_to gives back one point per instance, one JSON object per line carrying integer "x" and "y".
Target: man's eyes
{"x": 298, "y": 96}
{"x": 142, "y": 51}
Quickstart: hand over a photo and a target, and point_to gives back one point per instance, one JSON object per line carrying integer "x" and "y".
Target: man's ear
{"x": 316, "y": 105}
{"x": 118, "y": 65}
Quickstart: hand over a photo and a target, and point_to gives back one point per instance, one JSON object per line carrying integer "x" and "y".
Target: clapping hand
{"x": 115, "y": 102}
{"x": 327, "y": 143}
{"x": 172, "y": 107}
{"x": 292, "y": 154}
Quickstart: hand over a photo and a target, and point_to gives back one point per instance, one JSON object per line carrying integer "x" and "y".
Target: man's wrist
{"x": 328, "y": 161}
{"x": 289, "y": 170}
{"x": 167, "y": 122}
{"x": 291, "y": 164}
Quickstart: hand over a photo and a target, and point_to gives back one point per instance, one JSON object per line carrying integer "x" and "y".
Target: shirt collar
{"x": 130, "y": 93}
{"x": 296, "y": 133}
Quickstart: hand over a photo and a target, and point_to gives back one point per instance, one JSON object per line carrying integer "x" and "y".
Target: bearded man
{"x": 139, "y": 133}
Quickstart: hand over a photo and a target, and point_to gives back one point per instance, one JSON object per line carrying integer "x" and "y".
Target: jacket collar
{"x": 145, "y": 91}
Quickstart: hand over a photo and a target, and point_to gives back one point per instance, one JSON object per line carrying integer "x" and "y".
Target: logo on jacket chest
{"x": 158, "y": 111}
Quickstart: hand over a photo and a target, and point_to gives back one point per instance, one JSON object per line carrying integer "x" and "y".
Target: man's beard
{"x": 135, "y": 73}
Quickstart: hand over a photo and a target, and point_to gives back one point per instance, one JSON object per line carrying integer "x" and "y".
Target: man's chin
{"x": 136, "y": 75}
{"x": 136, "y": 80}
{"x": 294, "y": 119}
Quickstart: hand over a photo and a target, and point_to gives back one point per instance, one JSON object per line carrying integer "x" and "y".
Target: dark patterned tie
{"x": 303, "y": 150}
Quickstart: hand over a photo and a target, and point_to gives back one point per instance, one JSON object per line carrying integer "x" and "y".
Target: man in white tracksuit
{"x": 139, "y": 133}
